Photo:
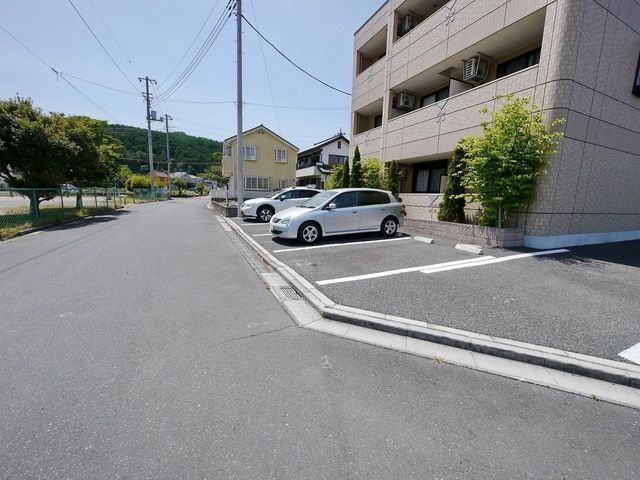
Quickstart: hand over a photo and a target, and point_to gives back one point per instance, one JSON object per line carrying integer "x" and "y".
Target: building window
{"x": 434, "y": 97}
{"x": 256, "y": 183}
{"x": 428, "y": 177}
{"x": 282, "y": 184}
{"x": 250, "y": 152}
{"x": 281, "y": 155}
{"x": 338, "y": 159}
{"x": 339, "y": 145}
{"x": 227, "y": 150}
{"x": 518, "y": 63}
{"x": 377, "y": 121}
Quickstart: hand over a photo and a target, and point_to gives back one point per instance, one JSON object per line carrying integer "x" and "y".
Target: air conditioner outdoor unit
{"x": 404, "y": 101}
{"x": 475, "y": 69}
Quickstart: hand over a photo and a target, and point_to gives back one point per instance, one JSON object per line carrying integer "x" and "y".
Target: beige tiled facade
{"x": 587, "y": 63}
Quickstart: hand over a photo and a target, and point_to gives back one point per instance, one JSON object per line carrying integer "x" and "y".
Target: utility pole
{"x": 240, "y": 150}
{"x": 166, "y": 123}
{"x": 147, "y": 97}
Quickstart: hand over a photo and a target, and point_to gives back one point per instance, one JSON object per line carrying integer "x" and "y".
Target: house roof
{"x": 261, "y": 126}
{"x": 159, "y": 174}
{"x": 318, "y": 146}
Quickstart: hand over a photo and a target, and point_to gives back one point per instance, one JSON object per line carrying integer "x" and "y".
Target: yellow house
{"x": 160, "y": 179}
{"x": 269, "y": 161}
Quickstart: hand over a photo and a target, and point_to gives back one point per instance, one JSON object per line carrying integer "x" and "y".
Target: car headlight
{"x": 286, "y": 221}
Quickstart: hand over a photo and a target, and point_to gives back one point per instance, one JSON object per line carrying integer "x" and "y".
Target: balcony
{"x": 434, "y": 130}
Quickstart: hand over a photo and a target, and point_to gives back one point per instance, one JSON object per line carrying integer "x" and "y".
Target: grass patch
{"x": 16, "y": 220}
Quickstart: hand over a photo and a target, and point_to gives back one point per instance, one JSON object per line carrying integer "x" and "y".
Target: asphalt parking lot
{"x": 585, "y": 300}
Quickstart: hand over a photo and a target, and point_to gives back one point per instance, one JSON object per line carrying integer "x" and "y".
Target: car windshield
{"x": 275, "y": 194}
{"x": 319, "y": 199}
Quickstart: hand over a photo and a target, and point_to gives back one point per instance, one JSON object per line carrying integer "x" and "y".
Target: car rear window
{"x": 373, "y": 198}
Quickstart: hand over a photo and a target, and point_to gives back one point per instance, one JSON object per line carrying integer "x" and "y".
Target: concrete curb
{"x": 578, "y": 364}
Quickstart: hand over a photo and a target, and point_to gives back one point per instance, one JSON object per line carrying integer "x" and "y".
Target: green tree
{"x": 199, "y": 188}
{"x": 334, "y": 180}
{"x": 43, "y": 151}
{"x": 504, "y": 163}
{"x": 181, "y": 183}
{"x": 371, "y": 173}
{"x": 214, "y": 173}
{"x": 391, "y": 176}
{"x": 138, "y": 181}
{"x": 346, "y": 176}
{"x": 451, "y": 209}
{"x": 122, "y": 175}
{"x": 355, "y": 180}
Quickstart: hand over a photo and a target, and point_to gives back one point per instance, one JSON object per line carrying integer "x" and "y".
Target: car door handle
{"x": 355, "y": 211}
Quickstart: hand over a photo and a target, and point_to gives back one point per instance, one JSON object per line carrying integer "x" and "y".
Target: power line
{"x": 264, "y": 61}
{"x": 57, "y": 72}
{"x": 96, "y": 84}
{"x": 100, "y": 43}
{"x": 111, "y": 32}
{"x": 291, "y": 61}
{"x": 206, "y": 20}
{"x": 204, "y": 49}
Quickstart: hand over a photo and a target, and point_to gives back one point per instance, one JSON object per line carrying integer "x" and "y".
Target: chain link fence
{"x": 24, "y": 208}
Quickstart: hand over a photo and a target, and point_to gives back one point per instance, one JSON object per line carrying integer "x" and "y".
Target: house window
{"x": 434, "y": 97}
{"x": 256, "y": 183}
{"x": 250, "y": 152}
{"x": 429, "y": 177}
{"x": 282, "y": 184}
{"x": 519, "y": 63}
{"x": 377, "y": 121}
{"x": 339, "y": 145}
{"x": 281, "y": 155}
{"x": 227, "y": 150}
{"x": 337, "y": 159}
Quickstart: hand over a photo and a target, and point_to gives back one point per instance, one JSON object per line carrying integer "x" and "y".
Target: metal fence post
{"x": 36, "y": 212}
{"x": 95, "y": 197}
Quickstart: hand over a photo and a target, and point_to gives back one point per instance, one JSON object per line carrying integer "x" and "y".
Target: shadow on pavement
{"x": 622, "y": 253}
{"x": 97, "y": 219}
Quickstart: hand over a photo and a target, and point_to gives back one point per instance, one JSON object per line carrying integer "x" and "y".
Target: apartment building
{"x": 424, "y": 69}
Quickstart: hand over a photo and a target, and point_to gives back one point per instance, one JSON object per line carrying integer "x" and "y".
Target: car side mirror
{"x": 331, "y": 206}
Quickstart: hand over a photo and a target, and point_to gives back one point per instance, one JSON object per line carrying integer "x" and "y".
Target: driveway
{"x": 580, "y": 299}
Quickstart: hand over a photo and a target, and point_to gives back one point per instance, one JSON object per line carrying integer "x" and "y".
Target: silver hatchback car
{"x": 337, "y": 212}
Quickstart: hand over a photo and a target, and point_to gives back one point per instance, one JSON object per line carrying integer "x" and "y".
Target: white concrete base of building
{"x": 575, "y": 240}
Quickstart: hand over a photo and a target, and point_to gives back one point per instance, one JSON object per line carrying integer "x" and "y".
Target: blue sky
{"x": 150, "y": 37}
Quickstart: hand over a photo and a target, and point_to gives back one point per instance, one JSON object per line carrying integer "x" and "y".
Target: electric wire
{"x": 57, "y": 72}
{"x": 206, "y": 20}
{"x": 204, "y": 49}
{"x": 101, "y": 45}
{"x": 291, "y": 61}
{"x": 264, "y": 61}
{"x": 119, "y": 45}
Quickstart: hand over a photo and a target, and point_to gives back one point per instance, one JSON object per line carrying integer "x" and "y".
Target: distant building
{"x": 160, "y": 179}
{"x": 315, "y": 163}
{"x": 191, "y": 180}
{"x": 269, "y": 162}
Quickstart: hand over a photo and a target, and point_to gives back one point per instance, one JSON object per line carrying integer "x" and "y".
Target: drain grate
{"x": 290, "y": 293}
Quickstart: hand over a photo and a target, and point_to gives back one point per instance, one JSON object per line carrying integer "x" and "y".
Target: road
{"x": 144, "y": 345}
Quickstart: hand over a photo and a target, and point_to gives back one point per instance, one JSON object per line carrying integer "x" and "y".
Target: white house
{"x": 315, "y": 163}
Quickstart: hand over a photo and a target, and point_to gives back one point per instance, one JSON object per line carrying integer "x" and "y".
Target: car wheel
{"x": 389, "y": 227}
{"x": 265, "y": 214}
{"x": 309, "y": 233}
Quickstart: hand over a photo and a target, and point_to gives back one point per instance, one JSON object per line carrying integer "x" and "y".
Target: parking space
{"x": 581, "y": 299}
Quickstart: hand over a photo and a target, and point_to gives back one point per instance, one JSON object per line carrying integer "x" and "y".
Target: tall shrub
{"x": 356, "y": 171}
{"x": 393, "y": 178}
{"x": 371, "y": 169}
{"x": 346, "y": 176}
{"x": 451, "y": 209}
{"x": 334, "y": 180}
{"x": 505, "y": 161}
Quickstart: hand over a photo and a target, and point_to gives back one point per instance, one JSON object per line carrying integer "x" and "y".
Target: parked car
{"x": 68, "y": 189}
{"x": 264, "y": 208}
{"x": 337, "y": 212}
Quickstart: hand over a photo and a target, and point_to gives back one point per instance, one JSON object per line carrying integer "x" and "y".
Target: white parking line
{"x": 396, "y": 272}
{"x": 488, "y": 261}
{"x": 262, "y": 235}
{"x": 632, "y": 354}
{"x": 441, "y": 267}
{"x": 340, "y": 245}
